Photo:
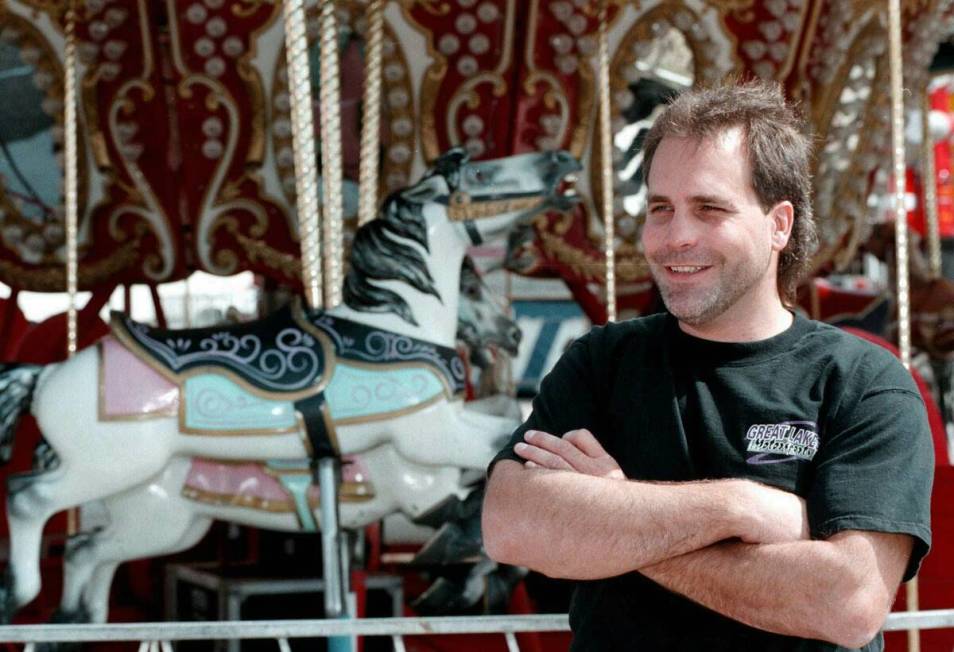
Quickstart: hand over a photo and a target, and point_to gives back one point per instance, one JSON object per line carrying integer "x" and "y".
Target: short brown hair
{"x": 779, "y": 154}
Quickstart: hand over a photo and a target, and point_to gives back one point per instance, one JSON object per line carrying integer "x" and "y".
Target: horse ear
{"x": 449, "y": 163}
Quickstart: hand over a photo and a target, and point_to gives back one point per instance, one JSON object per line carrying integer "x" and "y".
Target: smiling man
{"x": 728, "y": 475}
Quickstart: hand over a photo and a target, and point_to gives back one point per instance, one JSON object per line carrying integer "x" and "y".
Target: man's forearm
{"x": 811, "y": 589}
{"x": 571, "y": 525}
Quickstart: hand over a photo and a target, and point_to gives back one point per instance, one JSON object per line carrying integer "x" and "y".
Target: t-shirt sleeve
{"x": 566, "y": 400}
{"x": 875, "y": 467}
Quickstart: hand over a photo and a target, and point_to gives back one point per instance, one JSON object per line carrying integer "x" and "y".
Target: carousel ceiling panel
{"x": 467, "y": 91}
{"x": 185, "y": 135}
{"x": 124, "y": 230}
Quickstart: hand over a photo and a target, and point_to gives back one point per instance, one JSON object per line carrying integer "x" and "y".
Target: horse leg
{"x": 28, "y": 509}
{"x": 146, "y": 521}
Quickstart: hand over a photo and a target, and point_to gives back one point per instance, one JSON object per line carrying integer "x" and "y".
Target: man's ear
{"x": 783, "y": 218}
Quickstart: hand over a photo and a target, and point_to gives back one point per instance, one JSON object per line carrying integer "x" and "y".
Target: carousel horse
{"x": 378, "y": 372}
{"x": 175, "y": 510}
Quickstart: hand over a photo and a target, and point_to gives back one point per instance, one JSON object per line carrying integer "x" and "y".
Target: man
{"x": 730, "y": 475}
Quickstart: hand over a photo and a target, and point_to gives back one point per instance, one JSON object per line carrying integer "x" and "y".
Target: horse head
{"x": 483, "y": 323}
{"x": 487, "y": 198}
{"x": 407, "y": 261}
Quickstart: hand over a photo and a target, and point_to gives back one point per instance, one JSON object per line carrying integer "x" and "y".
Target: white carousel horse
{"x": 158, "y": 519}
{"x": 379, "y": 370}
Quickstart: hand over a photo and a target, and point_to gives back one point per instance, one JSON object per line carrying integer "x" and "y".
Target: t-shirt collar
{"x": 696, "y": 350}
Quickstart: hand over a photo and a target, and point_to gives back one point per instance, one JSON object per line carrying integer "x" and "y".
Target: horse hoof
{"x": 450, "y": 545}
{"x": 7, "y": 600}
{"x": 61, "y": 617}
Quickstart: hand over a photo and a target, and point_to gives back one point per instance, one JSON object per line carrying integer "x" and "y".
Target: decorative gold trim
{"x": 349, "y": 492}
{"x": 841, "y": 250}
{"x": 461, "y": 208}
{"x": 53, "y": 279}
{"x": 466, "y": 93}
{"x": 433, "y": 76}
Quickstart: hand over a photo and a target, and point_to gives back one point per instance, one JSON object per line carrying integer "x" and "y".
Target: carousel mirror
{"x": 31, "y": 168}
{"x": 654, "y": 62}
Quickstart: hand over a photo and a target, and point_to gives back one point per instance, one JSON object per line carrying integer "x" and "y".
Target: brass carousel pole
{"x": 371, "y": 115}
{"x": 606, "y": 160}
{"x": 334, "y": 541}
{"x": 71, "y": 201}
{"x": 901, "y": 236}
{"x": 303, "y": 145}
{"x": 331, "y": 175}
{"x": 929, "y": 181}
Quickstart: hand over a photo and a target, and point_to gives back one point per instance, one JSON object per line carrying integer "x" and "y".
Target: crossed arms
{"x": 729, "y": 545}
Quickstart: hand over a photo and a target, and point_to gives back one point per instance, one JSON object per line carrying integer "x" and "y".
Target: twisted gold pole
{"x": 606, "y": 159}
{"x": 929, "y": 181}
{"x": 331, "y": 176}
{"x": 303, "y": 144}
{"x": 901, "y": 236}
{"x": 71, "y": 181}
{"x": 371, "y": 115}
{"x": 71, "y": 202}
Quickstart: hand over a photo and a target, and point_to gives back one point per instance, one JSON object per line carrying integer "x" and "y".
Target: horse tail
{"x": 17, "y": 382}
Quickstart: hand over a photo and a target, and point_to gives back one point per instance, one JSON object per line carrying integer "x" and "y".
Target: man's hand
{"x": 777, "y": 516}
{"x": 577, "y": 450}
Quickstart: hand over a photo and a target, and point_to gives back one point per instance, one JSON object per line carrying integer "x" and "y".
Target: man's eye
{"x": 711, "y": 208}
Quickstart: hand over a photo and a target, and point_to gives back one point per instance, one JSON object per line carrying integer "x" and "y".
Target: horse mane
{"x": 382, "y": 251}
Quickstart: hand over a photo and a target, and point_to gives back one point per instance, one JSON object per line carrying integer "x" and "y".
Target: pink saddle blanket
{"x": 255, "y": 485}
{"x": 131, "y": 389}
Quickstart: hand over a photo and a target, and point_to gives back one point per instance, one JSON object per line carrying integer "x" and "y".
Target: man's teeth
{"x": 685, "y": 269}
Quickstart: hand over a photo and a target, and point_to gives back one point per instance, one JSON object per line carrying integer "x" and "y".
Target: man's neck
{"x": 757, "y": 325}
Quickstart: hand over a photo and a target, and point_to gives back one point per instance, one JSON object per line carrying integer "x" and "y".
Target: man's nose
{"x": 683, "y": 232}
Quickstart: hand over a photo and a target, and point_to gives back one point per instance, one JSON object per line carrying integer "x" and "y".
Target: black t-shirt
{"x": 813, "y": 410}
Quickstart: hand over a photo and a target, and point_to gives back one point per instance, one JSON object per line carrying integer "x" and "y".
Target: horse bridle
{"x": 460, "y": 208}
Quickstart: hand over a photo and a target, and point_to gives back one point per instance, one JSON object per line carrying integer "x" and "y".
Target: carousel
{"x": 313, "y": 257}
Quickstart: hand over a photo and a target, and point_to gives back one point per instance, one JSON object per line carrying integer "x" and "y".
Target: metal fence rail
{"x": 289, "y": 629}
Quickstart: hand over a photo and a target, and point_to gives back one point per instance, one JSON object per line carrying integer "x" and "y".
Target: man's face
{"x": 711, "y": 248}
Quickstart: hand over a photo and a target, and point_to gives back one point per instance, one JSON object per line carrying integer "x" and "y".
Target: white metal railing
{"x": 281, "y": 630}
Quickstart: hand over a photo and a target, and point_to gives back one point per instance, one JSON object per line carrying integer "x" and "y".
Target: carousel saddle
{"x": 275, "y": 355}
{"x": 290, "y": 369}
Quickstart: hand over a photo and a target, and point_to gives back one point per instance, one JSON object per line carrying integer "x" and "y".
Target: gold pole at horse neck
{"x": 929, "y": 181}
{"x": 371, "y": 115}
{"x": 331, "y": 175}
{"x": 901, "y": 236}
{"x": 303, "y": 146}
{"x": 606, "y": 160}
{"x": 71, "y": 174}
{"x": 71, "y": 200}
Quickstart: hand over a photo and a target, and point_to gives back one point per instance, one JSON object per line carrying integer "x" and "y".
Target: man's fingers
{"x": 557, "y": 445}
{"x": 586, "y": 441}
{"x": 542, "y": 457}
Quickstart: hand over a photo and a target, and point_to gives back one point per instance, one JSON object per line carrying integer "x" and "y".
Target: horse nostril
{"x": 515, "y": 335}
